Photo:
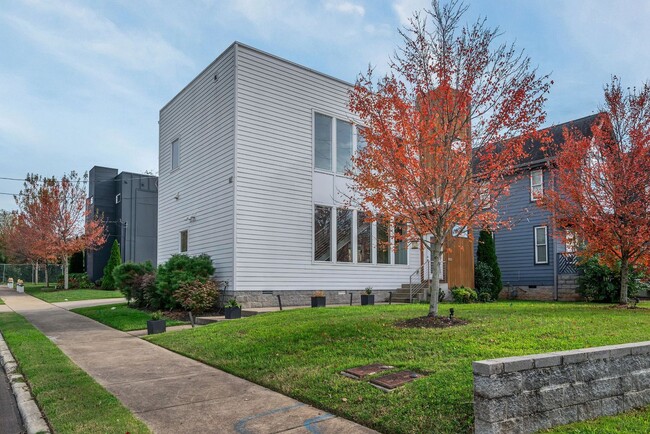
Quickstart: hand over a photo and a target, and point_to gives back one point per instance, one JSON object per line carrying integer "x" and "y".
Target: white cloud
{"x": 404, "y": 9}
{"x": 345, "y": 7}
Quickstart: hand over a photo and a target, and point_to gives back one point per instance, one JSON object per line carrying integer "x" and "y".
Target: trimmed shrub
{"x": 463, "y": 295}
{"x": 114, "y": 260}
{"x": 146, "y": 287}
{"x": 486, "y": 252}
{"x": 197, "y": 297}
{"x": 75, "y": 281}
{"x": 484, "y": 281}
{"x": 177, "y": 270}
{"x": 127, "y": 278}
{"x": 600, "y": 283}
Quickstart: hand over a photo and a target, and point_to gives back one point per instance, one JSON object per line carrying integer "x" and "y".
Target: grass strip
{"x": 52, "y": 295}
{"x": 301, "y": 353}
{"x": 121, "y": 317}
{"x": 70, "y": 399}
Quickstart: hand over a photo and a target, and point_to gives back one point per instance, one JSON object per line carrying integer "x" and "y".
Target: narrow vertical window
{"x": 323, "y": 142}
{"x": 536, "y": 184}
{"x": 343, "y": 146}
{"x": 176, "y": 154}
{"x": 361, "y": 141}
{"x": 364, "y": 239}
{"x": 401, "y": 252}
{"x": 383, "y": 243}
{"x": 343, "y": 235}
{"x": 541, "y": 245}
{"x": 322, "y": 233}
{"x": 183, "y": 243}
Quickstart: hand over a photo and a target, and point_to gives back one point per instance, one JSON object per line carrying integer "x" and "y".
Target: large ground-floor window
{"x": 345, "y": 235}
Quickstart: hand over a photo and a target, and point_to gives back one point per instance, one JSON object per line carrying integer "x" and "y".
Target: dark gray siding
{"x": 101, "y": 190}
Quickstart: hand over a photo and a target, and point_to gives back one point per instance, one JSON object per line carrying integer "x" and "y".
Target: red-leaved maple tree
{"x": 602, "y": 182}
{"x": 54, "y": 221}
{"x": 444, "y": 129}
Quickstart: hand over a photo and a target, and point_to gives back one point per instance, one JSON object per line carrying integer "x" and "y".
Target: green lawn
{"x": 52, "y": 295}
{"x": 301, "y": 353}
{"x": 121, "y": 317}
{"x": 71, "y": 400}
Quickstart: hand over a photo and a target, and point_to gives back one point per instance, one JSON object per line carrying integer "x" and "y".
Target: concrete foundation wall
{"x": 567, "y": 290}
{"x": 251, "y": 299}
{"x": 531, "y": 393}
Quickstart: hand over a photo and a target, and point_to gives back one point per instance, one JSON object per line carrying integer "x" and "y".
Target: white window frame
{"x": 335, "y": 119}
{"x": 118, "y": 198}
{"x": 459, "y": 231}
{"x": 540, "y": 186}
{"x": 537, "y": 244}
{"x": 180, "y": 241}
{"x": 176, "y": 143}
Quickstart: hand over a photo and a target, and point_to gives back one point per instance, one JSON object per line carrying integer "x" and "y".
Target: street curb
{"x": 29, "y": 411}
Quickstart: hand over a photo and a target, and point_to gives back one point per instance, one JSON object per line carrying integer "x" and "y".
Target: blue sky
{"x": 81, "y": 82}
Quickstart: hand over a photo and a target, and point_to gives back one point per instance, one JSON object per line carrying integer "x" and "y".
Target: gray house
{"x": 128, "y": 203}
{"x": 537, "y": 261}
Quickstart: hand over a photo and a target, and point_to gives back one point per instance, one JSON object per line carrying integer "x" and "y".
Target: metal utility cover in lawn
{"x": 363, "y": 371}
{"x": 394, "y": 380}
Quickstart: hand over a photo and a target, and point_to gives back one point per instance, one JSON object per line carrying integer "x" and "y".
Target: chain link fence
{"x": 30, "y": 273}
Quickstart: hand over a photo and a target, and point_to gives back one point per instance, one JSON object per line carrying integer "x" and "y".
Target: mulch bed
{"x": 437, "y": 322}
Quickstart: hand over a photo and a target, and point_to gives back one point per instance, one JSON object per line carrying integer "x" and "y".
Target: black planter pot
{"x": 318, "y": 302}
{"x": 156, "y": 326}
{"x": 367, "y": 299}
{"x": 232, "y": 312}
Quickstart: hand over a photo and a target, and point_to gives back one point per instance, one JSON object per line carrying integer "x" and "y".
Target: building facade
{"x": 536, "y": 259}
{"x": 252, "y": 156}
{"x": 128, "y": 203}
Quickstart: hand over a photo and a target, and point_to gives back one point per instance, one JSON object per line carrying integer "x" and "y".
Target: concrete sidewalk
{"x": 172, "y": 393}
{"x": 68, "y": 305}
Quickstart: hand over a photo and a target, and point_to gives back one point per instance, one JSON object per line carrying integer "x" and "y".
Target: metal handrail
{"x": 423, "y": 274}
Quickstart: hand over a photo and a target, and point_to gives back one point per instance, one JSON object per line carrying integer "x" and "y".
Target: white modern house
{"x": 252, "y": 155}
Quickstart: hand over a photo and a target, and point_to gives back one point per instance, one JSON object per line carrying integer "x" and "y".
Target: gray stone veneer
{"x": 251, "y": 299}
{"x": 531, "y": 393}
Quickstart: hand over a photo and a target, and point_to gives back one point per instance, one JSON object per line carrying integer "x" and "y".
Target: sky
{"x": 82, "y": 82}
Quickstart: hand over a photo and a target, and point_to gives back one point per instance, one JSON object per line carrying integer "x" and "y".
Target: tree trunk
{"x": 47, "y": 276}
{"x": 624, "y": 273}
{"x": 435, "y": 249}
{"x": 36, "y": 276}
{"x": 65, "y": 272}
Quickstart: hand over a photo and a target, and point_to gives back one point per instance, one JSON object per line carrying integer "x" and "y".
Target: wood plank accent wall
{"x": 459, "y": 259}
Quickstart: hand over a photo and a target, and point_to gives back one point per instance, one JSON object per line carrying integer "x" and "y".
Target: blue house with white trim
{"x": 536, "y": 259}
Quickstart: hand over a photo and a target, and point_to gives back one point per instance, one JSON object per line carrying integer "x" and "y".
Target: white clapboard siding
{"x": 202, "y": 117}
{"x": 274, "y": 199}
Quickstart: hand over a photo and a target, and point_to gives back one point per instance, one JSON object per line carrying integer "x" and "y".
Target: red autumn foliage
{"x": 444, "y": 129}
{"x": 602, "y": 182}
{"x": 53, "y": 221}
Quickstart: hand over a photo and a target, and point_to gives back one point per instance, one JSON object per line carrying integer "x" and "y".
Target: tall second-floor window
{"x": 541, "y": 245}
{"x": 176, "y": 154}
{"x": 323, "y": 142}
{"x": 536, "y": 184}
{"x": 343, "y": 146}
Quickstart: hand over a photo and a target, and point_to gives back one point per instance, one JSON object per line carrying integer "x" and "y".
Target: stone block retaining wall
{"x": 531, "y": 393}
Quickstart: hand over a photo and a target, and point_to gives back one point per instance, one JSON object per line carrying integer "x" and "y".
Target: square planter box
{"x": 318, "y": 302}
{"x": 156, "y": 326}
{"x": 232, "y": 312}
{"x": 20, "y": 288}
{"x": 367, "y": 299}
{"x": 10, "y": 285}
